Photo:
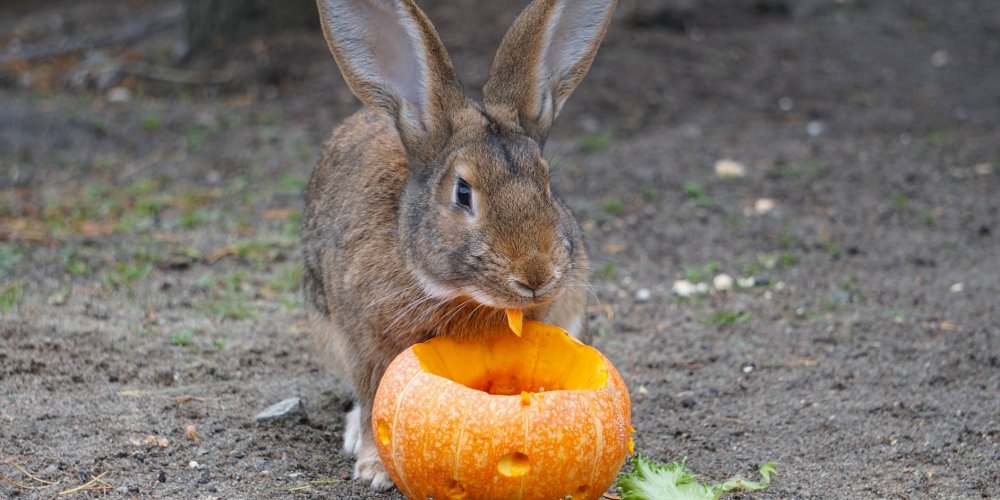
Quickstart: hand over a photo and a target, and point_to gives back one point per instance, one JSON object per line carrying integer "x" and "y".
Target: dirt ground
{"x": 149, "y": 244}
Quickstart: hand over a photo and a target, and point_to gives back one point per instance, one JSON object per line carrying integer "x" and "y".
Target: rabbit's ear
{"x": 393, "y": 59}
{"x": 542, "y": 59}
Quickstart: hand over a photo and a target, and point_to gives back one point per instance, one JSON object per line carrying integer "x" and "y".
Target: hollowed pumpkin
{"x": 536, "y": 416}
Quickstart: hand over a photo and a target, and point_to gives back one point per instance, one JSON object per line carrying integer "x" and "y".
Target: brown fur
{"x": 391, "y": 260}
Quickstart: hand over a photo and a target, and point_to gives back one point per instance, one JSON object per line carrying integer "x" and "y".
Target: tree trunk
{"x": 211, "y": 23}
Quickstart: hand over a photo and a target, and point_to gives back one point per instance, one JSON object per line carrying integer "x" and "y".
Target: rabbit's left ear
{"x": 542, "y": 59}
{"x": 393, "y": 60}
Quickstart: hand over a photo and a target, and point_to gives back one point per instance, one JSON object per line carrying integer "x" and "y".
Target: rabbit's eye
{"x": 463, "y": 193}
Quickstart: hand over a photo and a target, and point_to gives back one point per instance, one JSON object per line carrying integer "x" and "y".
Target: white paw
{"x": 369, "y": 468}
{"x": 352, "y": 431}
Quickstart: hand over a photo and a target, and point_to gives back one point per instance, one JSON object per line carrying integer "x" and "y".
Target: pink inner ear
{"x": 572, "y": 36}
{"x": 398, "y": 54}
{"x": 383, "y": 46}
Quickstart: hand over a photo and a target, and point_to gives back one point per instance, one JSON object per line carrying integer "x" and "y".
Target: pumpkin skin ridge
{"x": 397, "y": 466}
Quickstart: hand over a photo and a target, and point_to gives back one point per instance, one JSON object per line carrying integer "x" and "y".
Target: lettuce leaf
{"x": 650, "y": 480}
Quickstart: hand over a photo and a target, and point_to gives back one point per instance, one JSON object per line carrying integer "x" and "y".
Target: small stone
{"x": 786, "y": 103}
{"x": 193, "y": 464}
{"x": 722, "y": 282}
{"x": 730, "y": 169}
{"x": 119, "y": 95}
{"x": 815, "y": 128}
{"x": 642, "y": 391}
{"x": 684, "y": 288}
{"x": 701, "y": 288}
{"x": 939, "y": 58}
{"x": 957, "y": 287}
{"x": 643, "y": 295}
{"x": 764, "y": 205}
{"x": 747, "y": 282}
{"x": 291, "y": 407}
{"x": 687, "y": 403}
{"x": 191, "y": 432}
{"x": 983, "y": 168}
{"x": 162, "y": 476}
{"x": 748, "y": 368}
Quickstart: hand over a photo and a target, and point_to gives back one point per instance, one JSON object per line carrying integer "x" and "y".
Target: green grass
{"x": 695, "y": 193}
{"x": 10, "y": 295}
{"x": 595, "y": 143}
{"x": 151, "y": 122}
{"x": 288, "y": 280}
{"x": 182, "y": 338}
{"x": 293, "y": 183}
{"x": 898, "y": 202}
{"x": 786, "y": 259}
{"x": 197, "y": 217}
{"x": 649, "y": 191}
{"x": 607, "y": 271}
{"x": 9, "y": 259}
{"x": 788, "y": 238}
{"x": 125, "y": 274}
{"x": 229, "y": 299}
{"x": 805, "y": 171}
{"x": 699, "y": 273}
{"x": 613, "y": 207}
{"x": 722, "y": 318}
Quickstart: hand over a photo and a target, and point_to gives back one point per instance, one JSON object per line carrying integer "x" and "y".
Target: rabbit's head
{"x": 477, "y": 218}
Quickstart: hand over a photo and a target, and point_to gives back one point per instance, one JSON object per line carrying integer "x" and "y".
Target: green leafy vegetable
{"x": 650, "y": 480}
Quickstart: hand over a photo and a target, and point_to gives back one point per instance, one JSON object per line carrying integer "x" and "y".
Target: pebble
{"x": 815, "y": 128}
{"x": 939, "y": 58}
{"x": 722, "y": 282}
{"x": 642, "y": 391}
{"x": 643, "y": 295}
{"x": 685, "y": 288}
{"x": 119, "y": 95}
{"x": 291, "y": 407}
{"x": 764, "y": 205}
{"x": 957, "y": 287}
{"x": 983, "y": 168}
{"x": 748, "y": 282}
{"x": 730, "y": 169}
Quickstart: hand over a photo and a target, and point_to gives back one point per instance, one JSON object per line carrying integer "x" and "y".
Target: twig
{"x": 177, "y": 75}
{"x": 32, "y": 476}
{"x": 15, "y": 483}
{"x": 89, "y": 485}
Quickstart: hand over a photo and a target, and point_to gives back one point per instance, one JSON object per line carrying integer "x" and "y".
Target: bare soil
{"x": 149, "y": 247}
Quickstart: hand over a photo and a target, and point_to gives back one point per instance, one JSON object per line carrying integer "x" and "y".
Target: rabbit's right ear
{"x": 542, "y": 59}
{"x": 393, "y": 60}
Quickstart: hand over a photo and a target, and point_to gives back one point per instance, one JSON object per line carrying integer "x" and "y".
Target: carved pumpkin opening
{"x": 544, "y": 359}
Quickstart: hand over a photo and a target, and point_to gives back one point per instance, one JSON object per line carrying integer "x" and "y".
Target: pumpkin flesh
{"x": 536, "y": 416}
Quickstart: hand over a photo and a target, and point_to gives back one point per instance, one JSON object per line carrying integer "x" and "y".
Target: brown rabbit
{"x": 428, "y": 213}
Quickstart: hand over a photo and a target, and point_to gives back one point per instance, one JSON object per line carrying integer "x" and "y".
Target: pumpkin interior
{"x": 544, "y": 358}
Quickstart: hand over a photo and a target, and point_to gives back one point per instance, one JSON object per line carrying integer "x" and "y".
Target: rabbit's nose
{"x": 531, "y": 289}
{"x": 525, "y": 290}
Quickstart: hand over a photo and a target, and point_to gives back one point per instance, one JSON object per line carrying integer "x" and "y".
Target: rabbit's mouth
{"x": 509, "y": 294}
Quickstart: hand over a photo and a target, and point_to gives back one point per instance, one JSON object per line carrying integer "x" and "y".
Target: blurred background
{"x": 792, "y": 207}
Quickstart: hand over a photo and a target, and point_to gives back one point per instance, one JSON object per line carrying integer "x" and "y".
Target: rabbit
{"x": 429, "y": 213}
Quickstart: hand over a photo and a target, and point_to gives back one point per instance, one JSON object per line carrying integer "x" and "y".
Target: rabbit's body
{"x": 429, "y": 214}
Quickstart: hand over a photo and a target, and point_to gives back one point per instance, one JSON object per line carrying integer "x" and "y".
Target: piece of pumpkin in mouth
{"x": 515, "y": 320}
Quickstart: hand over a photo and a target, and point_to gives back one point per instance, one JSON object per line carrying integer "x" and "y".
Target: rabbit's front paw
{"x": 369, "y": 468}
{"x": 352, "y": 430}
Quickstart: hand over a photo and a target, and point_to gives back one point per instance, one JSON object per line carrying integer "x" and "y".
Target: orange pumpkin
{"x": 536, "y": 416}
